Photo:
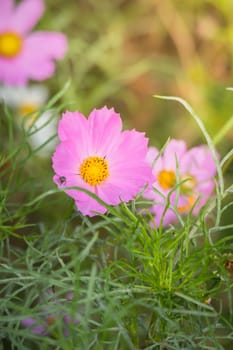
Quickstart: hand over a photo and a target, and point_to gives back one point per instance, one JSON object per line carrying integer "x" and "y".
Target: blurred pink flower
{"x": 45, "y": 325}
{"x": 185, "y": 176}
{"x": 96, "y": 155}
{"x": 24, "y": 54}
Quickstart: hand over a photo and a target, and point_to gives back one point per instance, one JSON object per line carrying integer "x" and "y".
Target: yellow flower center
{"x": 94, "y": 170}
{"x": 28, "y": 109}
{"x": 184, "y": 209}
{"x": 166, "y": 179}
{"x": 10, "y": 44}
{"x": 188, "y": 185}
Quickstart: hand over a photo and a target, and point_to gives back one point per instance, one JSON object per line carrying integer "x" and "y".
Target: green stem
{"x": 223, "y": 131}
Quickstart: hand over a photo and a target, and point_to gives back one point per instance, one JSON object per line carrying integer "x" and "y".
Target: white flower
{"x": 26, "y": 101}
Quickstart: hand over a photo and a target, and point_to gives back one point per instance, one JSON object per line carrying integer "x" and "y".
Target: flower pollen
{"x": 166, "y": 179}
{"x": 94, "y": 170}
{"x": 10, "y": 44}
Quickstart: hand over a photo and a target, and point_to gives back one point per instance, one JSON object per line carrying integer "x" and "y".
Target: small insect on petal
{"x": 62, "y": 180}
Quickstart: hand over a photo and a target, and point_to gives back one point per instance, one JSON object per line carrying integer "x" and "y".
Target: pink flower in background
{"x": 24, "y": 54}
{"x": 96, "y": 155}
{"x": 193, "y": 170}
{"x": 50, "y": 317}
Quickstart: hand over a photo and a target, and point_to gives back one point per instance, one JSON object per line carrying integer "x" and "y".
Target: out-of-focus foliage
{"x": 123, "y": 52}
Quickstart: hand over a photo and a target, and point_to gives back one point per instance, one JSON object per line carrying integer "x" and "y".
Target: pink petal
{"x": 113, "y": 192}
{"x": 104, "y": 126}
{"x": 168, "y": 217}
{"x": 132, "y": 148}
{"x": 154, "y": 160}
{"x": 26, "y": 15}
{"x": 74, "y": 181}
{"x": 64, "y": 160}
{"x": 39, "y": 52}
{"x": 152, "y": 154}
{"x": 90, "y": 207}
{"x": 35, "y": 61}
{"x": 129, "y": 156}
{"x": 173, "y": 152}
{"x": 45, "y": 71}
{"x": 6, "y": 7}
{"x": 205, "y": 188}
{"x": 71, "y": 126}
{"x": 199, "y": 159}
{"x": 109, "y": 193}
{"x": 129, "y": 171}
{"x": 11, "y": 72}
{"x": 41, "y": 46}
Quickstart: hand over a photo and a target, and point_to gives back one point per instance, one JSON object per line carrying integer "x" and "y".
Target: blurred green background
{"x": 121, "y": 52}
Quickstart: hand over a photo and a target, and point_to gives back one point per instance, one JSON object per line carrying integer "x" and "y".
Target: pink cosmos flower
{"x": 184, "y": 176}
{"x": 24, "y": 54}
{"x": 96, "y": 155}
